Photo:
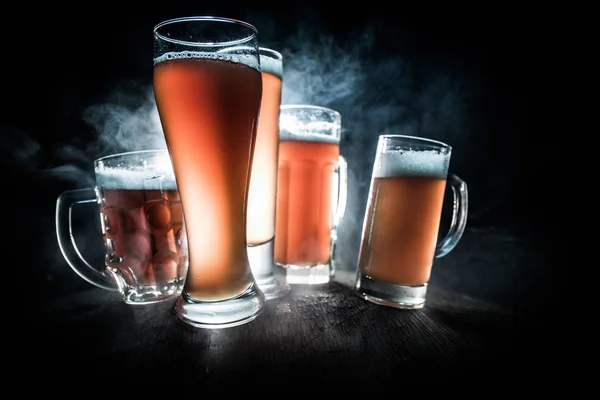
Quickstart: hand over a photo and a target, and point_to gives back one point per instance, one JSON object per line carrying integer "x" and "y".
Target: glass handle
{"x": 340, "y": 196}
{"x": 66, "y": 240}
{"x": 342, "y": 191}
{"x": 459, "y": 216}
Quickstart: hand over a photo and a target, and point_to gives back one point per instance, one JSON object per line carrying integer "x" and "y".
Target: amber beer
{"x": 142, "y": 224}
{"x": 208, "y": 107}
{"x": 402, "y": 220}
{"x": 263, "y": 180}
{"x": 305, "y": 201}
{"x": 141, "y": 220}
{"x": 403, "y": 217}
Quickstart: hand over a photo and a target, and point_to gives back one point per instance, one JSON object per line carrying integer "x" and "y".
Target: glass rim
{"x": 426, "y": 141}
{"x": 129, "y": 153}
{"x": 309, "y": 107}
{"x": 205, "y": 18}
{"x": 274, "y": 53}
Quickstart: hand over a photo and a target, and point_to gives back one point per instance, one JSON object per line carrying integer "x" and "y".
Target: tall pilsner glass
{"x": 208, "y": 88}
{"x": 263, "y": 180}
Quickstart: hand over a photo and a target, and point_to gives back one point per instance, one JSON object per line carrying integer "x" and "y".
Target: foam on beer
{"x": 317, "y": 131}
{"x": 246, "y": 59}
{"x": 271, "y": 66}
{"x": 411, "y": 163}
{"x": 136, "y": 178}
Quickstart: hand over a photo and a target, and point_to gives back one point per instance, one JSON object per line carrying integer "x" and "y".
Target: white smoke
{"x": 127, "y": 121}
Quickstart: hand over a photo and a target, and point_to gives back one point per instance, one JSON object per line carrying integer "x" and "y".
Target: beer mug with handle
{"x": 142, "y": 226}
{"x": 208, "y": 86}
{"x": 402, "y": 220}
{"x": 311, "y": 193}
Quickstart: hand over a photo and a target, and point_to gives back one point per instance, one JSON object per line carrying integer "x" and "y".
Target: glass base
{"x": 263, "y": 268}
{"x": 146, "y": 294}
{"x": 388, "y": 294}
{"x": 310, "y": 275}
{"x": 221, "y": 314}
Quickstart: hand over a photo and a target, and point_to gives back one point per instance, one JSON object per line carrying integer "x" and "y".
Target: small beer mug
{"x": 311, "y": 192}
{"x": 142, "y": 225}
{"x": 402, "y": 220}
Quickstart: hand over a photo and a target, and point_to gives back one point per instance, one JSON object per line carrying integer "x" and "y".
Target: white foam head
{"x": 246, "y": 59}
{"x": 271, "y": 65}
{"x": 310, "y": 123}
{"x": 412, "y": 163}
{"x": 154, "y": 177}
{"x": 314, "y": 132}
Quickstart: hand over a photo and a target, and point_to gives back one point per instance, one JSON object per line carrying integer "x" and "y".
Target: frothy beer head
{"x": 407, "y": 156}
{"x": 310, "y": 123}
{"x": 150, "y": 170}
{"x": 229, "y": 55}
{"x": 271, "y": 62}
{"x": 413, "y": 163}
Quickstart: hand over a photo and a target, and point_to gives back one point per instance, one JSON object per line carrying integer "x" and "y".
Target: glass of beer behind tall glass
{"x": 263, "y": 179}
{"x": 208, "y": 87}
{"x": 311, "y": 192}
{"x": 402, "y": 220}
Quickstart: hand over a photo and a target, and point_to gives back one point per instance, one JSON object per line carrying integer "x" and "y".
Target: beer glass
{"x": 402, "y": 220}
{"x": 263, "y": 179}
{"x": 208, "y": 86}
{"x": 311, "y": 193}
{"x": 142, "y": 225}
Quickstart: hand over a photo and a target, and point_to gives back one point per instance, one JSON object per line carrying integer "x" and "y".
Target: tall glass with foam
{"x": 311, "y": 193}
{"x": 260, "y": 230}
{"x": 402, "y": 220}
{"x": 208, "y": 88}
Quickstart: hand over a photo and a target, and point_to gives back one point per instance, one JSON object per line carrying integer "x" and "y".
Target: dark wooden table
{"x": 314, "y": 335}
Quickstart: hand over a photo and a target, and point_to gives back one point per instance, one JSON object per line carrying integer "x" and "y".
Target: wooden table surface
{"x": 324, "y": 331}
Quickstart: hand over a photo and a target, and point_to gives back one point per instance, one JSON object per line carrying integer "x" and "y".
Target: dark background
{"x": 80, "y": 86}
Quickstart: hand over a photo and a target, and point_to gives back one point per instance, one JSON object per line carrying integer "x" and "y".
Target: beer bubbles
{"x": 402, "y": 162}
{"x": 142, "y": 222}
